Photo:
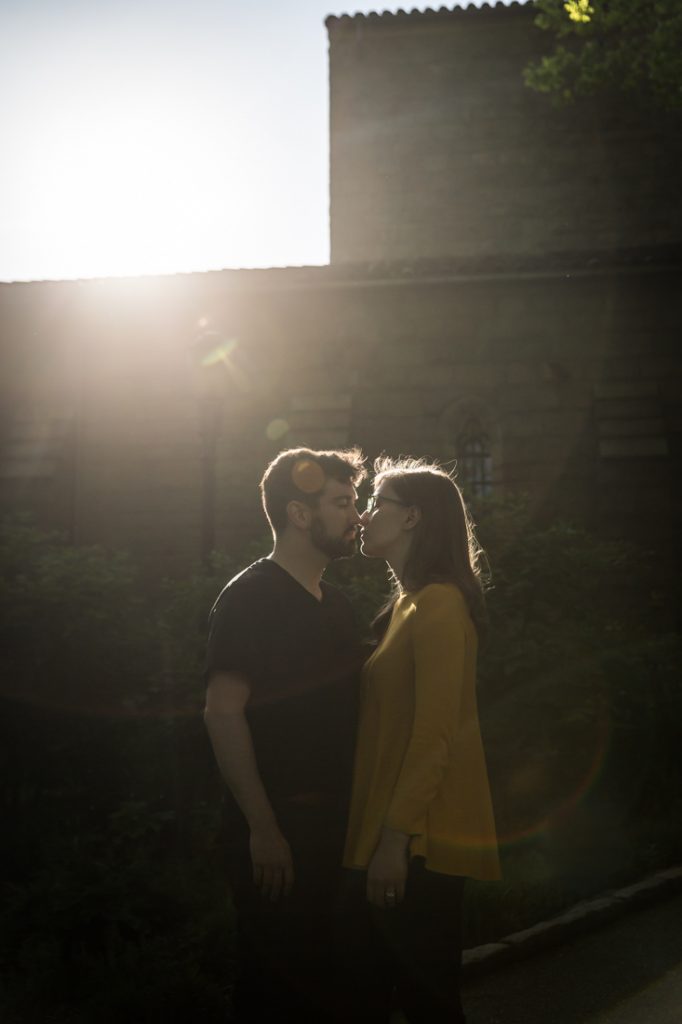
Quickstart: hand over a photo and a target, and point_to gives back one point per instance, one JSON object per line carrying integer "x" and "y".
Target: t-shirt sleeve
{"x": 439, "y": 641}
{"x": 232, "y": 642}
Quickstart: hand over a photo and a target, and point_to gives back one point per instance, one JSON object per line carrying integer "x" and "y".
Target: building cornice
{"x": 401, "y": 273}
{"x": 391, "y": 19}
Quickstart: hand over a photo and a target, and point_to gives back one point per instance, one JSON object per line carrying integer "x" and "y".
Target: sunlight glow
{"x": 151, "y": 139}
{"x": 115, "y": 182}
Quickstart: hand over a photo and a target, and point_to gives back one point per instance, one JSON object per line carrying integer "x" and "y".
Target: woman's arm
{"x": 439, "y": 644}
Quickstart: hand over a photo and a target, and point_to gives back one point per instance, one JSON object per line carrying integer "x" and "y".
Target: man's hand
{"x": 273, "y": 870}
{"x": 226, "y": 699}
{"x": 387, "y": 871}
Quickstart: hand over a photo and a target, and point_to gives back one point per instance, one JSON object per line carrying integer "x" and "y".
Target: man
{"x": 283, "y": 655}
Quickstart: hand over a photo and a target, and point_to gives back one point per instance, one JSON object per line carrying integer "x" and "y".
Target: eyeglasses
{"x": 374, "y": 499}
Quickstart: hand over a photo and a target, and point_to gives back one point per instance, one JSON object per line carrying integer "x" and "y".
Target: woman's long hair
{"x": 444, "y": 548}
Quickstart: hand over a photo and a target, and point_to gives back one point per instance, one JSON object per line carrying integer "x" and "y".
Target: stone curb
{"x": 582, "y": 917}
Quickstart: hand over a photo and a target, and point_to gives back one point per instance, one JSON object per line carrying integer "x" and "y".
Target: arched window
{"x": 474, "y": 460}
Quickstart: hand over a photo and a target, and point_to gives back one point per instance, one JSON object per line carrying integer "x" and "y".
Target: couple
{"x": 296, "y": 750}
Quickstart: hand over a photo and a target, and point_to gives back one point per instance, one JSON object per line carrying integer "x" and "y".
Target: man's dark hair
{"x": 300, "y": 474}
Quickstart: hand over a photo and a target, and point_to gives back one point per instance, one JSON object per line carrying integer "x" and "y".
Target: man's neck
{"x": 305, "y": 565}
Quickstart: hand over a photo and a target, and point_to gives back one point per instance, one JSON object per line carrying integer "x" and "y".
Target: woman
{"x": 421, "y": 819}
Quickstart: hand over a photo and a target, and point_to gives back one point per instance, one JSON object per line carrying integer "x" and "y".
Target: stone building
{"x": 503, "y": 290}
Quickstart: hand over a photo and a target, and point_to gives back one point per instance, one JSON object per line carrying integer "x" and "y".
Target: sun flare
{"x": 114, "y": 184}
{"x": 149, "y": 138}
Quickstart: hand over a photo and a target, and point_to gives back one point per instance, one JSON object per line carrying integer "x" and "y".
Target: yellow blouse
{"x": 419, "y": 761}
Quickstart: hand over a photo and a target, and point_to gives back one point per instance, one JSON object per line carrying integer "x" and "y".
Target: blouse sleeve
{"x": 439, "y": 649}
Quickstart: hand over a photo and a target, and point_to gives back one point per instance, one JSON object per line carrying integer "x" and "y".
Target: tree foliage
{"x": 602, "y": 47}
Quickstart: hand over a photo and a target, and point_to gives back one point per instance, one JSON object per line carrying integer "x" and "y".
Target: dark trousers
{"x": 285, "y": 949}
{"x": 407, "y": 956}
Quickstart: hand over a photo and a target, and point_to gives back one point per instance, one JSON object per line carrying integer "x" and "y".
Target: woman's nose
{"x": 363, "y": 516}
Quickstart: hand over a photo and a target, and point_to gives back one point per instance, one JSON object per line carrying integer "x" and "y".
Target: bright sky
{"x": 155, "y": 136}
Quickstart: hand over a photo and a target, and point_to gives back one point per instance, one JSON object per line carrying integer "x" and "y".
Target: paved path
{"x": 625, "y": 972}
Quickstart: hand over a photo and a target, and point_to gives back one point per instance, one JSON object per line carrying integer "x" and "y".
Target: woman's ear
{"x": 299, "y": 514}
{"x": 412, "y": 517}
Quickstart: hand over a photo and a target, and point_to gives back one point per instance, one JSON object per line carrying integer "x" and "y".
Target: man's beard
{"x": 332, "y": 547}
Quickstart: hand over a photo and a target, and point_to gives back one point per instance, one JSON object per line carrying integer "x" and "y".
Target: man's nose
{"x": 362, "y": 516}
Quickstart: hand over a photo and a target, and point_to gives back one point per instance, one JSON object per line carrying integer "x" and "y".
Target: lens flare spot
{"x": 202, "y": 322}
{"x": 307, "y": 476}
{"x": 532, "y": 786}
{"x": 276, "y": 430}
{"x": 220, "y": 354}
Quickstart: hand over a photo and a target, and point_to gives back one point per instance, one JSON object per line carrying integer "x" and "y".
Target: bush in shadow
{"x": 116, "y": 901}
{"x": 581, "y": 707}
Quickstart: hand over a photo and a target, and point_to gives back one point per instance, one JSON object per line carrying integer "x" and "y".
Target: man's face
{"x": 335, "y": 521}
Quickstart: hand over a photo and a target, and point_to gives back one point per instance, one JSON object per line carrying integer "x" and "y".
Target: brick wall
{"x": 438, "y": 149}
{"x": 575, "y": 378}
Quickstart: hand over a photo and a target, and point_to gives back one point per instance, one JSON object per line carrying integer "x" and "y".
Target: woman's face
{"x": 383, "y": 528}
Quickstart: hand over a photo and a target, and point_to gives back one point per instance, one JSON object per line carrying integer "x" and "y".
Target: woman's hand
{"x": 387, "y": 870}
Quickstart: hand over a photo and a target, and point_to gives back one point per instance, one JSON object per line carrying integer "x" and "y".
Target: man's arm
{"x": 226, "y": 699}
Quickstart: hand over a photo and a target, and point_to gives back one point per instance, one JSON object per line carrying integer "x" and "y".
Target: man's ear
{"x": 299, "y": 514}
{"x": 412, "y": 517}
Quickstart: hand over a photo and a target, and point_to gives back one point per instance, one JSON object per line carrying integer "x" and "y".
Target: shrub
{"x": 75, "y": 631}
{"x": 114, "y": 891}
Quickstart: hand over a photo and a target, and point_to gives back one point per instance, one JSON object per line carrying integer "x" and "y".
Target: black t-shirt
{"x": 301, "y": 658}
